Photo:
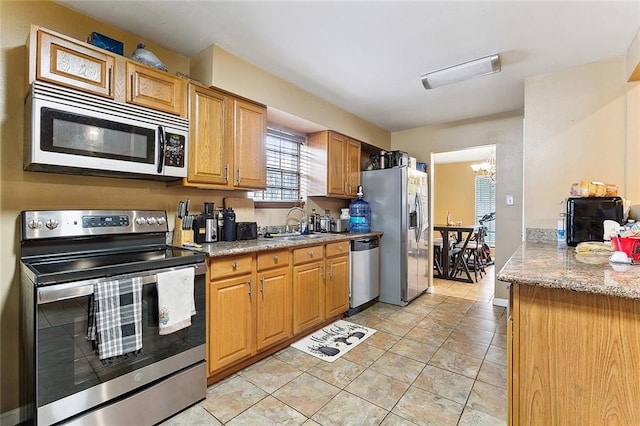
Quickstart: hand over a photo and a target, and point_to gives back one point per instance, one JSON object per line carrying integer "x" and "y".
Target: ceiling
{"x": 367, "y": 56}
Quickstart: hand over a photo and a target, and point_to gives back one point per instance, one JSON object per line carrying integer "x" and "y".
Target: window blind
{"x": 485, "y": 204}
{"x": 283, "y": 152}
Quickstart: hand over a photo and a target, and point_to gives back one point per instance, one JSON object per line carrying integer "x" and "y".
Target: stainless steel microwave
{"x": 74, "y": 132}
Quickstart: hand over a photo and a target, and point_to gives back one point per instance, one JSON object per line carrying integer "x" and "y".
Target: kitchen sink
{"x": 303, "y": 237}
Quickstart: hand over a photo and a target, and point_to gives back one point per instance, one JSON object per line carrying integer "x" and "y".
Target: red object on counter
{"x": 629, "y": 245}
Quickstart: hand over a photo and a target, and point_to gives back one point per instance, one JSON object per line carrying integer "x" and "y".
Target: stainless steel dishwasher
{"x": 364, "y": 283}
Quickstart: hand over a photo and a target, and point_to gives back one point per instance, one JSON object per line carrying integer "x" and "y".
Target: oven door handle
{"x": 58, "y": 292}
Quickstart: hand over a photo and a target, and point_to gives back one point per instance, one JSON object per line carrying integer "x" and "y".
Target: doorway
{"x": 463, "y": 194}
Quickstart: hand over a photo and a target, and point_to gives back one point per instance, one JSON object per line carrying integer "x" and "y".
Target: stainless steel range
{"x": 100, "y": 293}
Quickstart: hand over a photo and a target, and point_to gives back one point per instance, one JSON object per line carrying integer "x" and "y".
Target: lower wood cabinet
{"x": 259, "y": 301}
{"x": 337, "y": 279}
{"x": 273, "y": 299}
{"x": 231, "y": 320}
{"x": 308, "y": 295}
{"x": 573, "y": 358}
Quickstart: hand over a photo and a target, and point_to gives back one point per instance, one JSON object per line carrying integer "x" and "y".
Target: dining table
{"x": 463, "y": 234}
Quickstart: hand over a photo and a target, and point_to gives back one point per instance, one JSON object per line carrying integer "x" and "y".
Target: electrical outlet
{"x": 509, "y": 200}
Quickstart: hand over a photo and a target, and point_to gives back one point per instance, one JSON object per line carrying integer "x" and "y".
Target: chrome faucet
{"x": 291, "y": 210}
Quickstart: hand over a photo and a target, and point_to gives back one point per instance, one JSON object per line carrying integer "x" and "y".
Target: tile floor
{"x": 441, "y": 360}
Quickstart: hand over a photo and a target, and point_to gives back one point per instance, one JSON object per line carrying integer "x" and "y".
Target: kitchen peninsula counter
{"x": 573, "y": 338}
{"x": 543, "y": 264}
{"x": 227, "y": 248}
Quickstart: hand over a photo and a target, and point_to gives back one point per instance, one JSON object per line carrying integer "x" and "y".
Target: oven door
{"x": 105, "y": 138}
{"x": 69, "y": 376}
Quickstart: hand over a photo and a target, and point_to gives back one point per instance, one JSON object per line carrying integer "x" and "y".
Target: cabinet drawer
{"x": 273, "y": 259}
{"x": 337, "y": 249}
{"x": 307, "y": 254}
{"x": 233, "y": 265}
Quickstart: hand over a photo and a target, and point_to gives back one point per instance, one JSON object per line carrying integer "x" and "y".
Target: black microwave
{"x": 586, "y": 215}
{"x": 74, "y": 132}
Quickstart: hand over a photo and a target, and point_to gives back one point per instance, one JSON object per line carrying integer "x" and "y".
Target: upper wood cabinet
{"x": 156, "y": 89}
{"x": 249, "y": 134}
{"x": 60, "y": 59}
{"x": 227, "y": 141}
{"x": 336, "y": 165}
{"x": 73, "y": 64}
{"x": 210, "y": 124}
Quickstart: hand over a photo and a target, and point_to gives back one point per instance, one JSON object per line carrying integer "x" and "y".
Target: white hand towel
{"x": 176, "y": 302}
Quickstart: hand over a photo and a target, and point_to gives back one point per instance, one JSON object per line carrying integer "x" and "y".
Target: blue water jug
{"x": 359, "y": 215}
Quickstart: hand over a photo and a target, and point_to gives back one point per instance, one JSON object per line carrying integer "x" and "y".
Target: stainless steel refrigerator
{"x": 398, "y": 199}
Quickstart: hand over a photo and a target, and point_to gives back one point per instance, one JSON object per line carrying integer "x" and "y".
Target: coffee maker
{"x": 205, "y": 227}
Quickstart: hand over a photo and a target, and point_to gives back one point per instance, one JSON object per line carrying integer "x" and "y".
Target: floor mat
{"x": 335, "y": 340}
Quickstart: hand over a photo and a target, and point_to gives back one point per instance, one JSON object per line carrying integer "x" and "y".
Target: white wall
{"x": 574, "y": 130}
{"x": 505, "y": 131}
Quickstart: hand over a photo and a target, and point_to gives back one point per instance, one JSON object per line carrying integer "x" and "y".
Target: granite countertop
{"x": 543, "y": 264}
{"x": 226, "y": 248}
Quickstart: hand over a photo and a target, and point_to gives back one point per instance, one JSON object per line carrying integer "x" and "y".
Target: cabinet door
{"x": 230, "y": 334}
{"x": 353, "y": 167}
{"x": 336, "y": 164}
{"x": 156, "y": 89}
{"x": 250, "y": 128}
{"x": 337, "y": 286}
{"x": 273, "y": 318}
{"x": 308, "y": 295}
{"x": 209, "y": 138}
{"x": 74, "y": 65}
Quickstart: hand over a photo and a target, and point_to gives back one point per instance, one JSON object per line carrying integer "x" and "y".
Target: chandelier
{"x": 486, "y": 168}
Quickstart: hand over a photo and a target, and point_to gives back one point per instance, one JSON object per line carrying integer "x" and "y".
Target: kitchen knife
{"x": 180, "y": 207}
{"x": 186, "y": 207}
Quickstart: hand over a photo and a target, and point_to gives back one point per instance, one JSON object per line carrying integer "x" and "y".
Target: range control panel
{"x": 76, "y": 223}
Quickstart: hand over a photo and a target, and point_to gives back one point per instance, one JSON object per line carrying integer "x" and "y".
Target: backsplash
{"x": 541, "y": 234}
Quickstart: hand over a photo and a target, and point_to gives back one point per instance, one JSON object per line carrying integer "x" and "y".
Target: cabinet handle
{"x": 310, "y": 254}
{"x": 322, "y": 271}
{"x": 250, "y": 288}
{"x": 234, "y": 266}
{"x": 339, "y": 248}
{"x": 226, "y": 173}
{"x": 262, "y": 285}
{"x": 133, "y": 86}
{"x": 238, "y": 175}
{"x": 275, "y": 259}
{"x": 331, "y": 270}
{"x": 109, "y": 82}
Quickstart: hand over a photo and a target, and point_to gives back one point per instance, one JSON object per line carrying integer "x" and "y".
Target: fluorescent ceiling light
{"x": 465, "y": 71}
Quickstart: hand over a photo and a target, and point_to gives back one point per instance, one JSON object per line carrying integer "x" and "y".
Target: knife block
{"x": 181, "y": 236}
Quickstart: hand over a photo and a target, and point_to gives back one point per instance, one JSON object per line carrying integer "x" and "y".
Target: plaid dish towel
{"x": 115, "y": 317}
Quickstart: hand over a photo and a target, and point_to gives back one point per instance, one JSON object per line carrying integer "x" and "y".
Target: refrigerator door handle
{"x": 419, "y": 211}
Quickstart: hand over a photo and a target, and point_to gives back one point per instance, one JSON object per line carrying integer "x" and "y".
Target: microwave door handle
{"x": 160, "y": 148}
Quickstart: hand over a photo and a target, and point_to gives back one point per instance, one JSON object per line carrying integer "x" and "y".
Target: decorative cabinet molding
{"x": 72, "y": 64}
{"x": 60, "y": 59}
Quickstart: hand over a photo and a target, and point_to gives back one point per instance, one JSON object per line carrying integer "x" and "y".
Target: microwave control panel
{"x": 174, "y": 150}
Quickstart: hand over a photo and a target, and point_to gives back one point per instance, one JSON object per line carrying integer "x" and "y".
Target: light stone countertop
{"x": 541, "y": 263}
{"x": 227, "y": 248}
